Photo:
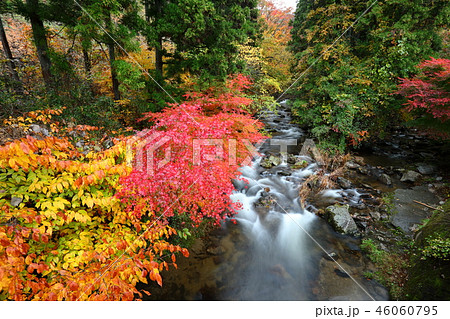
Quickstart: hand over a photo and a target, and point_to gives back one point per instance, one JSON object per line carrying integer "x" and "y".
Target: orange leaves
{"x": 121, "y": 245}
{"x": 13, "y": 164}
{"x": 67, "y": 227}
{"x": 25, "y": 148}
{"x": 185, "y": 252}
{"x": 99, "y": 174}
{"x": 155, "y": 276}
{"x": 73, "y": 286}
{"x": 86, "y": 128}
{"x": 40, "y": 268}
{"x": 4, "y": 242}
{"x": 44, "y": 116}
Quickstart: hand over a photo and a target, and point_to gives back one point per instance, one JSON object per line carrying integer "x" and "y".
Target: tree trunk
{"x": 115, "y": 81}
{"x": 88, "y": 69}
{"x": 158, "y": 47}
{"x": 9, "y": 57}
{"x": 147, "y": 10}
{"x": 87, "y": 63}
{"x": 157, "y": 11}
{"x": 40, "y": 40}
{"x": 159, "y": 57}
{"x": 112, "y": 59}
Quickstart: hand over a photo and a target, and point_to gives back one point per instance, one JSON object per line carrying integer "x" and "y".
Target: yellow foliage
{"x": 62, "y": 226}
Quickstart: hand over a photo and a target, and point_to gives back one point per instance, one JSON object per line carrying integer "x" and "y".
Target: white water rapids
{"x": 275, "y": 249}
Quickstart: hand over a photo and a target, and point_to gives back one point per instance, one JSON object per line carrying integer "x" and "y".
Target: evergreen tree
{"x": 113, "y": 23}
{"x": 204, "y": 33}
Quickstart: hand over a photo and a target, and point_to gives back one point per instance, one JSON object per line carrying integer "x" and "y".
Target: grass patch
{"x": 392, "y": 268}
{"x": 388, "y": 200}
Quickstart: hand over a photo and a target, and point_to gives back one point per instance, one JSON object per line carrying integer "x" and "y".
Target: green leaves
{"x": 349, "y": 88}
{"x": 184, "y": 233}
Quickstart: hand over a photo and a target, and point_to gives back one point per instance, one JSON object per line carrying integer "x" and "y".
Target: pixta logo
{"x": 141, "y": 151}
{"x": 150, "y": 151}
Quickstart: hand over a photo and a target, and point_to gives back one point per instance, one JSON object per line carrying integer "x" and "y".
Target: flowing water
{"x": 275, "y": 249}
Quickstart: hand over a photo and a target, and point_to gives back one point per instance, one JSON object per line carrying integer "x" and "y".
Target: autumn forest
{"x": 133, "y": 132}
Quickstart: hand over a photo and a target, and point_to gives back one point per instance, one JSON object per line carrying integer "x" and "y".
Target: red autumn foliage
{"x": 229, "y": 98}
{"x": 70, "y": 238}
{"x": 429, "y": 92}
{"x": 204, "y": 154}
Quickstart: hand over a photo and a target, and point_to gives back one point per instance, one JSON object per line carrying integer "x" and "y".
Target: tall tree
{"x": 9, "y": 56}
{"x": 153, "y": 15}
{"x": 33, "y": 11}
{"x": 113, "y": 23}
{"x": 38, "y": 12}
{"x": 351, "y": 71}
{"x": 204, "y": 33}
{"x": 276, "y": 35}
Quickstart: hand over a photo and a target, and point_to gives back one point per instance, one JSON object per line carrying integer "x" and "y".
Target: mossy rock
{"x": 429, "y": 278}
{"x": 300, "y": 164}
{"x": 340, "y": 219}
{"x": 270, "y": 161}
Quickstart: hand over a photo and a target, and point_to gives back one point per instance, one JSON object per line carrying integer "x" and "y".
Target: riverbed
{"x": 274, "y": 249}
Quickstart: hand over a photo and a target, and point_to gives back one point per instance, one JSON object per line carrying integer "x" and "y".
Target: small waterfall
{"x": 274, "y": 249}
{"x": 277, "y": 258}
{"x": 281, "y": 245}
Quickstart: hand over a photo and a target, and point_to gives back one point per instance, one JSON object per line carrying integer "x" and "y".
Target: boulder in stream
{"x": 410, "y": 176}
{"x": 291, "y": 159}
{"x": 269, "y": 162}
{"x": 300, "y": 164}
{"x": 426, "y": 169}
{"x": 340, "y": 219}
{"x": 406, "y": 211}
{"x": 385, "y": 179}
{"x": 352, "y": 165}
{"x": 344, "y": 183}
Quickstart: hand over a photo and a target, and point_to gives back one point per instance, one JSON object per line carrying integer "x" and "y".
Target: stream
{"x": 275, "y": 249}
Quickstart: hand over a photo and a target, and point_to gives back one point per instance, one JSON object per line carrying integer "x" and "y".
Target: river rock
{"x": 266, "y": 201}
{"x": 344, "y": 183}
{"x": 331, "y": 256}
{"x": 284, "y": 171}
{"x": 426, "y": 169}
{"x": 270, "y": 161}
{"x": 406, "y": 212}
{"x": 410, "y": 176}
{"x": 340, "y": 273}
{"x": 79, "y": 144}
{"x": 291, "y": 159}
{"x": 300, "y": 164}
{"x": 385, "y": 179}
{"x": 39, "y": 130}
{"x": 375, "y": 215}
{"x": 351, "y": 165}
{"x": 280, "y": 271}
{"x": 340, "y": 219}
{"x": 363, "y": 170}
{"x": 215, "y": 250}
{"x": 359, "y": 160}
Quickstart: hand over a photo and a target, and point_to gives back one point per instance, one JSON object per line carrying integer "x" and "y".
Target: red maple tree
{"x": 429, "y": 91}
